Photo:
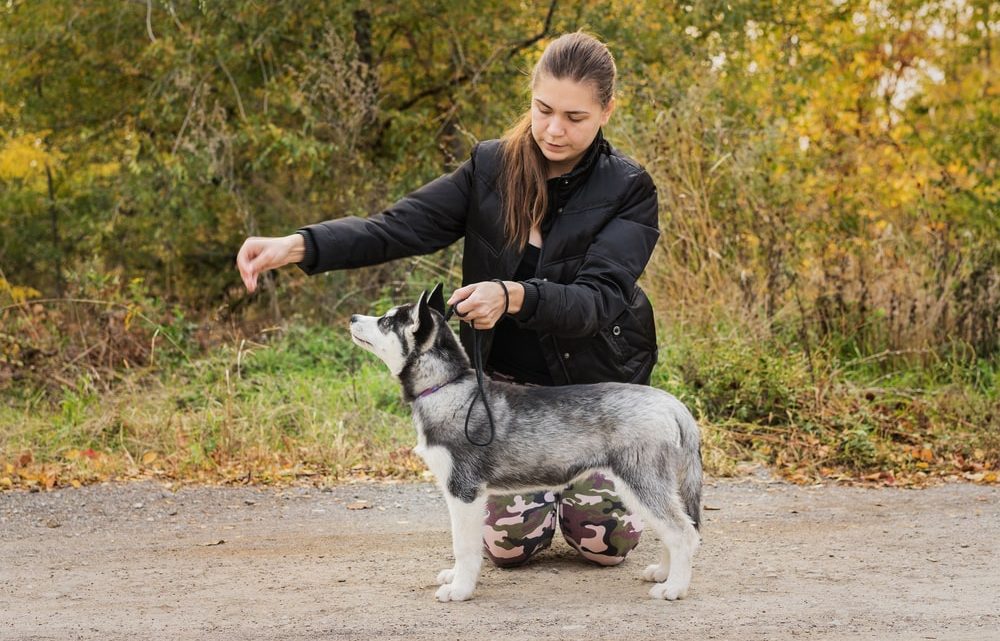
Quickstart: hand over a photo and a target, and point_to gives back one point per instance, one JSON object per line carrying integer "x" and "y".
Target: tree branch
{"x": 236, "y": 90}
{"x": 467, "y": 76}
{"x": 149, "y": 20}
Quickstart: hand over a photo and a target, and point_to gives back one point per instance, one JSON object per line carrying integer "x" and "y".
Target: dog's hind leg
{"x": 458, "y": 583}
{"x": 657, "y": 503}
{"x": 680, "y": 541}
{"x": 658, "y": 572}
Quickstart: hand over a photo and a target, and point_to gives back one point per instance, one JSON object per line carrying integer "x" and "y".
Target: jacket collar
{"x": 579, "y": 173}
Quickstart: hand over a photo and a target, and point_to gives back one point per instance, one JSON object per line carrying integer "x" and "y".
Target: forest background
{"x": 827, "y": 282}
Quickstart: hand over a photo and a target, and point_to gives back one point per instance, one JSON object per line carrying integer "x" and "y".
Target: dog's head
{"x": 402, "y": 334}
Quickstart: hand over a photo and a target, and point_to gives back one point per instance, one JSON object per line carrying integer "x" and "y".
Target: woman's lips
{"x": 554, "y": 147}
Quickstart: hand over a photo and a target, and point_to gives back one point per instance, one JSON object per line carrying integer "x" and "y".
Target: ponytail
{"x": 524, "y": 198}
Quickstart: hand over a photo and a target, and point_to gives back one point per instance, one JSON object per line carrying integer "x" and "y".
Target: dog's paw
{"x": 668, "y": 591}
{"x": 445, "y": 576}
{"x": 454, "y": 592}
{"x": 656, "y": 573}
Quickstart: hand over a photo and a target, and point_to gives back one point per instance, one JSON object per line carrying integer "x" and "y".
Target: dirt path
{"x": 778, "y": 562}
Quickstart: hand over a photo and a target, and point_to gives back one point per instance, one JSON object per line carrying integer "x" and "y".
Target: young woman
{"x": 568, "y": 224}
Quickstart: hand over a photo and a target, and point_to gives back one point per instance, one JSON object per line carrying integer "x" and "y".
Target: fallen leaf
{"x": 360, "y": 505}
{"x": 219, "y": 542}
{"x": 148, "y": 458}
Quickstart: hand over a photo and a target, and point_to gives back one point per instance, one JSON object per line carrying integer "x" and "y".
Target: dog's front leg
{"x": 467, "y": 543}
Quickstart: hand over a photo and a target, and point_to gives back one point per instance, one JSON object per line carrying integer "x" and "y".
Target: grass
{"x": 900, "y": 419}
{"x": 303, "y": 404}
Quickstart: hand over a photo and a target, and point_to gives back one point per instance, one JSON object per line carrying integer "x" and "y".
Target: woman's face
{"x": 565, "y": 117}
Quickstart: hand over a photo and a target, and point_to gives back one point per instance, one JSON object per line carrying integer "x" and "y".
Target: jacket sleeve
{"x": 422, "y": 222}
{"x": 604, "y": 284}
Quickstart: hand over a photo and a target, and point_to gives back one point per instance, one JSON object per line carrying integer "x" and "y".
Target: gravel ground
{"x": 778, "y": 561}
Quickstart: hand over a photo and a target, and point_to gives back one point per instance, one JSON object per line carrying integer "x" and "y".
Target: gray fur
{"x": 545, "y": 438}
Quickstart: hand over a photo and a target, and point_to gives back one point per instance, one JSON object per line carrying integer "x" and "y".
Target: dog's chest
{"x": 437, "y": 457}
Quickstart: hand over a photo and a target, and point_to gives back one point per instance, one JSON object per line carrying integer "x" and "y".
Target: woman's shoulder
{"x": 621, "y": 176}
{"x": 486, "y": 151}
{"x": 485, "y": 158}
{"x": 621, "y": 163}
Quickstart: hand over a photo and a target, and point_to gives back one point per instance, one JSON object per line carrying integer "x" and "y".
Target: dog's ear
{"x": 436, "y": 300}
{"x": 423, "y": 318}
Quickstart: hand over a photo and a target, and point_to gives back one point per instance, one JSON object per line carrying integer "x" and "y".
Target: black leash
{"x": 477, "y": 360}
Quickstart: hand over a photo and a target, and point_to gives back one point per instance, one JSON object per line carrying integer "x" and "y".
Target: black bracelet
{"x": 506, "y": 296}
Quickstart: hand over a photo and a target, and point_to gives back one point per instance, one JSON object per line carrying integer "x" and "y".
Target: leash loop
{"x": 477, "y": 356}
{"x": 477, "y": 360}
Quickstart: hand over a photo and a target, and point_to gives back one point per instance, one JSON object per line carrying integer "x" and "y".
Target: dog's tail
{"x": 689, "y": 476}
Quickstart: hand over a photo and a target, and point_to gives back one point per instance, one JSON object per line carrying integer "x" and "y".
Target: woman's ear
{"x": 608, "y": 111}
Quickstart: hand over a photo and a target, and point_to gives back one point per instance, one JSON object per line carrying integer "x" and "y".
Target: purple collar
{"x": 431, "y": 390}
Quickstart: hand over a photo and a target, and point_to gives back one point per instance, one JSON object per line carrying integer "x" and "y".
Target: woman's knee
{"x": 518, "y": 527}
{"x": 595, "y": 522}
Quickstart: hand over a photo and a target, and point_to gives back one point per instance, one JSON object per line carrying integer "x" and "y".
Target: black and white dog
{"x": 545, "y": 437}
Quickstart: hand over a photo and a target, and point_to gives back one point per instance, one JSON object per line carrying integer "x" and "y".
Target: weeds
{"x": 888, "y": 419}
{"x": 302, "y": 404}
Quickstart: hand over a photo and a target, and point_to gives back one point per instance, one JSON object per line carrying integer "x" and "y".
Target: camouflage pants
{"x": 591, "y": 517}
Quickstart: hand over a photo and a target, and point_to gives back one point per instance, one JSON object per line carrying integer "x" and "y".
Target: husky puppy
{"x": 545, "y": 437}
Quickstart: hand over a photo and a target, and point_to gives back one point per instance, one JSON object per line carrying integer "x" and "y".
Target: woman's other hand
{"x": 482, "y": 304}
{"x": 257, "y": 255}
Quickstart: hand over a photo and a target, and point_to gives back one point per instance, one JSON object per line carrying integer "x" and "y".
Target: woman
{"x": 568, "y": 224}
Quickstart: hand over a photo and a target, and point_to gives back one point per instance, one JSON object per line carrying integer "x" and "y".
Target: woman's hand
{"x": 482, "y": 304}
{"x": 257, "y": 255}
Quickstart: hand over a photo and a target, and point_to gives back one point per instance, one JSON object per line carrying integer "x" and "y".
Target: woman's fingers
{"x": 478, "y": 304}
{"x": 244, "y": 262}
{"x": 257, "y": 255}
{"x": 461, "y": 293}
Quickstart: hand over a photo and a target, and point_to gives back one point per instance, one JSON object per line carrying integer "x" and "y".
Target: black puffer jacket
{"x": 594, "y": 323}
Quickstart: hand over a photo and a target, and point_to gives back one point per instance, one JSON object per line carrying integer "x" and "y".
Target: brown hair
{"x": 524, "y": 199}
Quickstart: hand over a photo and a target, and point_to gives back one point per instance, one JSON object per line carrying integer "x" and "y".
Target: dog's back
{"x": 547, "y": 436}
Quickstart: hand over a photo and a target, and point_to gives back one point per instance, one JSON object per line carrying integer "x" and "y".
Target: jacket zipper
{"x": 552, "y": 339}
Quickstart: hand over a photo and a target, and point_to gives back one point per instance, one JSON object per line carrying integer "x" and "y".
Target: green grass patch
{"x": 304, "y": 403}
{"x": 896, "y": 418}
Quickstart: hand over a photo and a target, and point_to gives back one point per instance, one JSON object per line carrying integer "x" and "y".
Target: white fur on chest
{"x": 437, "y": 457}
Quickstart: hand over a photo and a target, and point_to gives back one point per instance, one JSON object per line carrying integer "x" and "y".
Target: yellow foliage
{"x": 17, "y": 293}
{"x": 25, "y": 157}
{"x": 105, "y": 169}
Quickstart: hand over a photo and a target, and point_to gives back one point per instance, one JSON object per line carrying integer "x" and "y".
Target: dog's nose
{"x": 354, "y": 318}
